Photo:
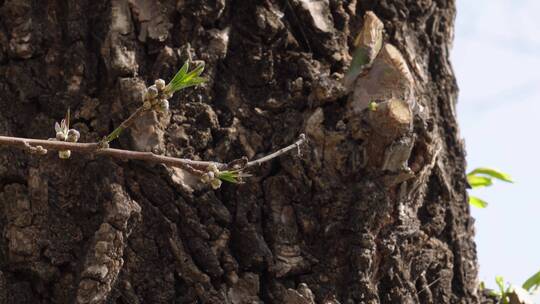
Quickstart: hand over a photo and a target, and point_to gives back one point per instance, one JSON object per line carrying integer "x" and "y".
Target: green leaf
{"x": 500, "y": 282}
{"x": 198, "y": 70}
{"x": 478, "y": 181}
{"x": 229, "y": 176}
{"x": 234, "y": 176}
{"x": 477, "y": 202}
{"x": 532, "y": 283}
{"x": 493, "y": 173}
{"x": 184, "y": 79}
{"x": 184, "y": 69}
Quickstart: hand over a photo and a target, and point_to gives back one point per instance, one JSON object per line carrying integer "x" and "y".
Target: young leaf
{"x": 183, "y": 79}
{"x": 493, "y": 173}
{"x": 500, "y": 282}
{"x": 532, "y": 283}
{"x": 477, "y": 202}
{"x": 234, "y": 176}
{"x": 478, "y": 181}
{"x": 482, "y": 285}
{"x": 228, "y": 176}
{"x": 184, "y": 69}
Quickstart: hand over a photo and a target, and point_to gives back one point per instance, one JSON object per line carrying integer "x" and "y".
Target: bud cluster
{"x": 212, "y": 177}
{"x": 36, "y": 150}
{"x": 156, "y": 97}
{"x": 64, "y": 133}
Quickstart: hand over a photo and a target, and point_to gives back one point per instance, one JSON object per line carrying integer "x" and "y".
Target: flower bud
{"x": 152, "y": 92}
{"x": 373, "y": 106}
{"x": 40, "y": 150}
{"x": 73, "y": 135}
{"x": 61, "y": 136}
{"x": 213, "y": 168}
{"x": 147, "y": 105}
{"x": 64, "y": 154}
{"x": 160, "y": 84}
{"x": 215, "y": 183}
{"x": 205, "y": 178}
{"x": 163, "y": 105}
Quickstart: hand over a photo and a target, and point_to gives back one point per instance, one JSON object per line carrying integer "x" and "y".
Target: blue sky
{"x": 496, "y": 57}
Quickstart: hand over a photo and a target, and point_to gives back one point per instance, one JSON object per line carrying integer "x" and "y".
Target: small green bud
{"x": 73, "y": 135}
{"x": 64, "y": 154}
{"x": 373, "y": 106}
{"x": 160, "y": 84}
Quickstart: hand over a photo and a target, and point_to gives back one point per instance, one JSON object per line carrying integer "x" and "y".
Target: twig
{"x": 428, "y": 286}
{"x": 301, "y": 140}
{"x": 192, "y": 166}
{"x": 125, "y": 124}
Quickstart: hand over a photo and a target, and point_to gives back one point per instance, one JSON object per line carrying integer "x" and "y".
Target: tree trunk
{"x": 374, "y": 210}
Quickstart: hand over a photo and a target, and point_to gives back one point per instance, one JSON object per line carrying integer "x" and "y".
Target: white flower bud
{"x": 73, "y": 135}
{"x": 61, "y": 136}
{"x": 160, "y": 84}
{"x": 64, "y": 154}
{"x": 40, "y": 150}
{"x": 147, "y": 105}
{"x": 215, "y": 183}
{"x": 213, "y": 168}
{"x": 205, "y": 178}
{"x": 163, "y": 105}
{"x": 152, "y": 92}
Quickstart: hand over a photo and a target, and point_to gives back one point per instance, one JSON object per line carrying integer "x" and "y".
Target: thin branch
{"x": 192, "y": 166}
{"x": 125, "y": 124}
{"x": 155, "y": 98}
{"x": 301, "y": 140}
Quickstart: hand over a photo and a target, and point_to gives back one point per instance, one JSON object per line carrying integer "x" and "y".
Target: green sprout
{"x": 509, "y": 293}
{"x": 184, "y": 79}
{"x": 156, "y": 97}
{"x": 232, "y": 176}
{"x": 503, "y": 291}
{"x": 483, "y": 177}
{"x": 373, "y": 106}
{"x": 214, "y": 176}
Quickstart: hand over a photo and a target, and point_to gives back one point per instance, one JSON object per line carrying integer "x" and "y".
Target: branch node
{"x": 238, "y": 164}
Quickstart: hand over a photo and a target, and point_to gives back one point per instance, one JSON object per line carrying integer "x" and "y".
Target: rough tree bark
{"x": 351, "y": 220}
